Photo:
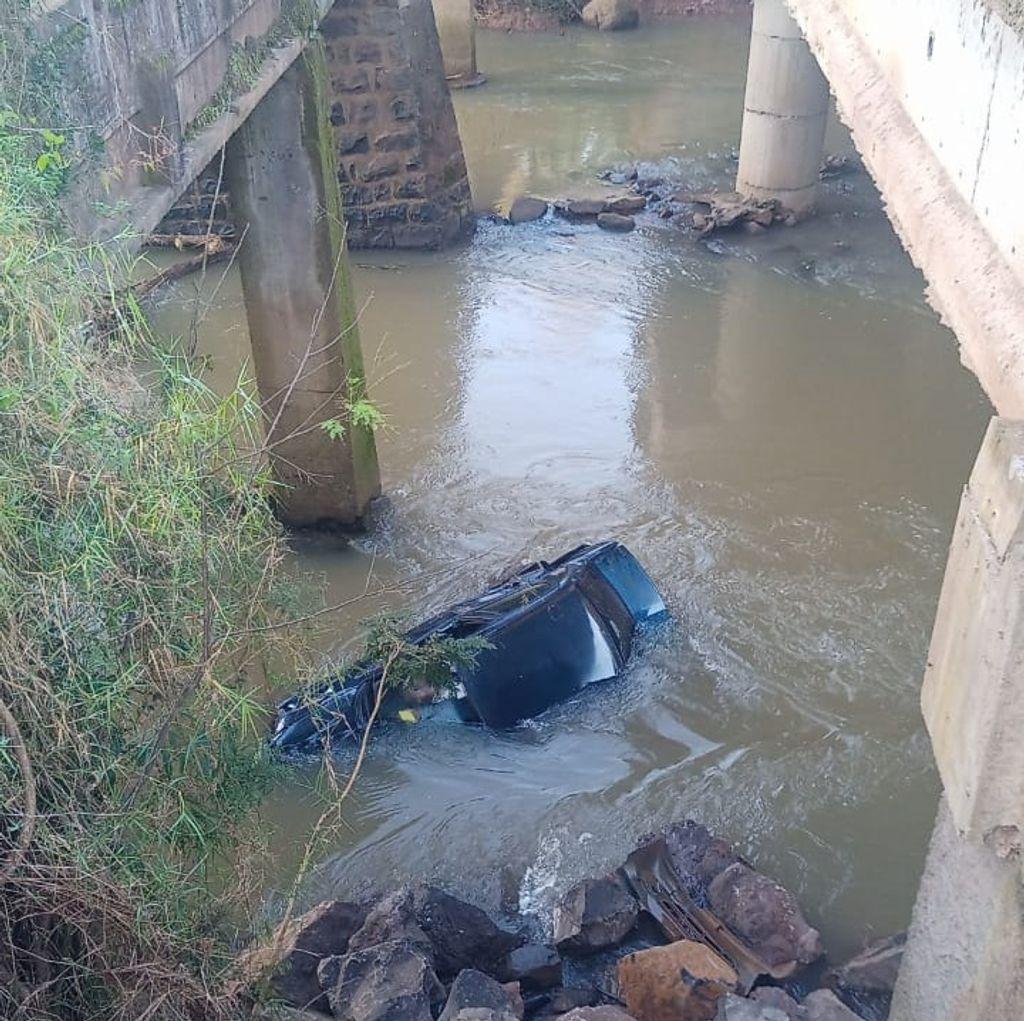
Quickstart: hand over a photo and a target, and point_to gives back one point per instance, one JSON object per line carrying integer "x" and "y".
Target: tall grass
{"x": 139, "y": 596}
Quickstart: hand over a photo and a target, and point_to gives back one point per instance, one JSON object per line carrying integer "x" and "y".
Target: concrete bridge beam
{"x": 784, "y": 113}
{"x": 302, "y": 321}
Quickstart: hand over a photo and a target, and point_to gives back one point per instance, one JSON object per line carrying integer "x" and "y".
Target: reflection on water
{"x": 776, "y": 425}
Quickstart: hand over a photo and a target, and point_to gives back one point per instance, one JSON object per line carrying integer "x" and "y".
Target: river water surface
{"x": 776, "y": 425}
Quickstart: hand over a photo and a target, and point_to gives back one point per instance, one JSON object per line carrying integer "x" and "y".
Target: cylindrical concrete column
{"x": 784, "y": 112}
{"x": 456, "y": 27}
{"x": 298, "y": 300}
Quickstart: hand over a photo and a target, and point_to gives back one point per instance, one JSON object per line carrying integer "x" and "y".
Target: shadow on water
{"x": 777, "y": 426}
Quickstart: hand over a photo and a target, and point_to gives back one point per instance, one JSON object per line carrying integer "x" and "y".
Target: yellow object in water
{"x": 408, "y": 716}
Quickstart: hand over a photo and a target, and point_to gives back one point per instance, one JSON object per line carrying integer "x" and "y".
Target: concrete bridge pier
{"x": 302, "y": 320}
{"x": 456, "y": 27}
{"x": 784, "y": 113}
{"x": 966, "y": 942}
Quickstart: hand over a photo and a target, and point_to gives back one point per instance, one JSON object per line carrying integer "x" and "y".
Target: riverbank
{"x": 552, "y": 15}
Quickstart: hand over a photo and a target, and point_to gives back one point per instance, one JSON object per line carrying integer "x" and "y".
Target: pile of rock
{"x": 420, "y": 954}
{"x": 614, "y": 213}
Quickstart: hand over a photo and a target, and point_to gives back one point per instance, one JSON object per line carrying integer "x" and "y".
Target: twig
{"x": 28, "y": 798}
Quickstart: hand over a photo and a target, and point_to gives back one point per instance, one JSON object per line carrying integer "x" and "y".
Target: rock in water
{"x": 824, "y": 1005}
{"x": 534, "y": 966}
{"x": 611, "y": 15}
{"x": 764, "y": 915}
{"x": 616, "y": 221}
{"x": 738, "y": 1008}
{"x": 292, "y": 957}
{"x": 584, "y": 209}
{"x": 527, "y": 209}
{"x": 679, "y": 982}
{"x": 873, "y": 971}
{"x": 626, "y": 204}
{"x": 597, "y": 913}
{"x": 461, "y": 934}
{"x": 389, "y": 982}
{"x": 474, "y": 989}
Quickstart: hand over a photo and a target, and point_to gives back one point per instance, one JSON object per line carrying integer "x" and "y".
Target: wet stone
{"x": 534, "y": 966}
{"x": 616, "y": 222}
{"x": 526, "y": 210}
{"x": 679, "y": 982}
{"x": 474, "y": 989}
{"x": 382, "y": 983}
{"x": 824, "y": 1005}
{"x": 626, "y": 204}
{"x": 593, "y": 915}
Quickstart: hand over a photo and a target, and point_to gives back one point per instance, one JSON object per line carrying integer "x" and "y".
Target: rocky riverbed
{"x": 685, "y": 930}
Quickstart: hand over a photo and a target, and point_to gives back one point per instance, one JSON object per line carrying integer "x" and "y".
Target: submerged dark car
{"x": 551, "y": 628}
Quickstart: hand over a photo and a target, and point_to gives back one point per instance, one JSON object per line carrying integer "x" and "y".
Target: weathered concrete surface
{"x": 147, "y": 76}
{"x": 973, "y": 694}
{"x": 400, "y": 161}
{"x": 298, "y": 299}
{"x": 966, "y": 942}
{"x": 784, "y": 113}
{"x": 456, "y": 28}
{"x": 931, "y": 91}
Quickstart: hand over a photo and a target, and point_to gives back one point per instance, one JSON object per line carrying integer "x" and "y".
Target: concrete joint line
{"x": 786, "y": 116}
{"x": 773, "y": 189}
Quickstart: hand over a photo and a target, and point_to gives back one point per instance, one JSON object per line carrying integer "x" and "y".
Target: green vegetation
{"x": 140, "y": 599}
{"x": 298, "y": 19}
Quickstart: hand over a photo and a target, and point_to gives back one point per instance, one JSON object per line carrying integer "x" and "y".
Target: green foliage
{"x": 408, "y": 666}
{"x": 357, "y": 409}
{"x": 298, "y": 19}
{"x": 140, "y": 599}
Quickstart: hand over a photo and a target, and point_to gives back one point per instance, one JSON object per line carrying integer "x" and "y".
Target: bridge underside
{"x": 931, "y": 94}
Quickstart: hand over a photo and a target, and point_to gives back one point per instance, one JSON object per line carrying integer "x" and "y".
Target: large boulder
{"x": 594, "y": 915}
{"x": 526, "y": 210}
{"x": 679, "y": 982}
{"x": 824, "y": 1005}
{"x": 473, "y": 988}
{"x": 388, "y": 982}
{"x": 461, "y": 934}
{"x": 394, "y": 919}
{"x": 288, "y": 961}
{"x": 534, "y": 966}
{"x": 611, "y": 15}
{"x": 764, "y": 914}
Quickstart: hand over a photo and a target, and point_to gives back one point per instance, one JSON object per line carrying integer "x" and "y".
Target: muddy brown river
{"x": 778, "y": 427}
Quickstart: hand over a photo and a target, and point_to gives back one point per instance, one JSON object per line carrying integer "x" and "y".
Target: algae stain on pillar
{"x": 785, "y": 110}
{"x": 299, "y": 303}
